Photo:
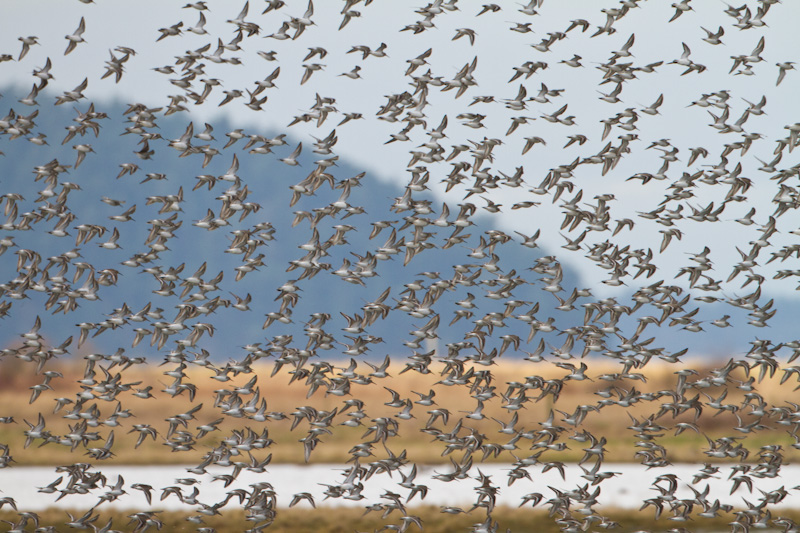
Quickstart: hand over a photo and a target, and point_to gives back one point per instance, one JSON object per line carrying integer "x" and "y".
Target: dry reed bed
{"x": 612, "y": 421}
{"x": 347, "y": 520}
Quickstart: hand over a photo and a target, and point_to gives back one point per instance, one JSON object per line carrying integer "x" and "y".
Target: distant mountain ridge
{"x": 267, "y": 181}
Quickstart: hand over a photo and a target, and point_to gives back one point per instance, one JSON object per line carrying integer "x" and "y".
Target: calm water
{"x": 627, "y": 489}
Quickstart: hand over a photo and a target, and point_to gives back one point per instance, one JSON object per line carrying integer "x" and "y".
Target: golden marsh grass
{"x": 284, "y": 396}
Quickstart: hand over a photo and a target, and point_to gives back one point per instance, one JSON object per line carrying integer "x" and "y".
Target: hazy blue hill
{"x": 268, "y": 181}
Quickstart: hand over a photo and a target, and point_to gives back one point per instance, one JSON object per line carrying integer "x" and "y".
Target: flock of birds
{"x": 617, "y": 330}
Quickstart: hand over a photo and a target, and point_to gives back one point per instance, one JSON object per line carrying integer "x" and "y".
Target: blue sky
{"x": 498, "y": 50}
